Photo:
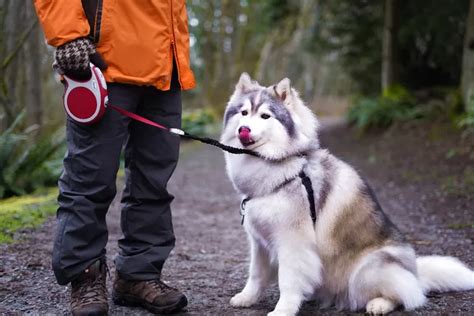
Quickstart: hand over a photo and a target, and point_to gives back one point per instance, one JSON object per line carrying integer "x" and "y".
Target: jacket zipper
{"x": 173, "y": 47}
{"x": 93, "y": 11}
{"x": 95, "y": 23}
{"x": 95, "y": 28}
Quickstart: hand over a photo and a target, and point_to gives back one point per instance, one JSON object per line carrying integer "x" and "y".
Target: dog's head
{"x": 272, "y": 121}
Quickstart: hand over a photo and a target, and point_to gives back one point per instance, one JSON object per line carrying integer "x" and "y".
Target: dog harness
{"x": 308, "y": 185}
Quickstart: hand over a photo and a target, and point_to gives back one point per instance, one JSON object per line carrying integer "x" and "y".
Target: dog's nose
{"x": 244, "y": 130}
{"x": 244, "y": 136}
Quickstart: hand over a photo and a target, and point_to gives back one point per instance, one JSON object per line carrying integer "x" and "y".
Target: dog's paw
{"x": 243, "y": 299}
{"x": 380, "y": 306}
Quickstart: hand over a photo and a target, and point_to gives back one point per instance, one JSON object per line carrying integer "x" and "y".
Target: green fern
{"x": 381, "y": 112}
{"x": 27, "y": 165}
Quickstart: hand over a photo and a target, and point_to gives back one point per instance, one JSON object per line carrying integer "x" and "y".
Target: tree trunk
{"x": 389, "y": 46}
{"x": 33, "y": 72}
{"x": 9, "y": 74}
{"x": 467, "y": 74}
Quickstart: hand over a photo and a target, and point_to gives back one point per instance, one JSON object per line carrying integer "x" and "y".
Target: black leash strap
{"x": 213, "y": 142}
{"x": 309, "y": 189}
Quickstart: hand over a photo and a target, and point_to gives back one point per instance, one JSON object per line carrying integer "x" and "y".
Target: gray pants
{"x": 87, "y": 185}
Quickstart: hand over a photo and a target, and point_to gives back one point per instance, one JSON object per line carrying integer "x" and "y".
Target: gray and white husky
{"x": 352, "y": 257}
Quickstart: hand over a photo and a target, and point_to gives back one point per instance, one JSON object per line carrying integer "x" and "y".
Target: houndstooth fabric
{"x": 74, "y": 55}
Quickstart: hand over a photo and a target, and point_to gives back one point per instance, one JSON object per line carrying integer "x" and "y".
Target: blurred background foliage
{"x": 376, "y": 62}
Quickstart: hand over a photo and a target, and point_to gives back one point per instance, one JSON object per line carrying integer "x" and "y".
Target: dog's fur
{"x": 353, "y": 257}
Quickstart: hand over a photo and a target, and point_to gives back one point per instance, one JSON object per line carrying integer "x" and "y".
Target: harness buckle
{"x": 242, "y": 209}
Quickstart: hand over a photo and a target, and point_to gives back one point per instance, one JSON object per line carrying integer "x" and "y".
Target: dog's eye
{"x": 244, "y": 112}
{"x": 265, "y": 116}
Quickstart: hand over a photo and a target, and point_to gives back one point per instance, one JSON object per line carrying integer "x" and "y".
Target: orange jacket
{"x": 137, "y": 39}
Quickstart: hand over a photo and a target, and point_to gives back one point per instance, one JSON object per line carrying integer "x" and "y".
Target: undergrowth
{"x": 397, "y": 104}
{"x": 28, "y": 162}
{"x": 198, "y": 122}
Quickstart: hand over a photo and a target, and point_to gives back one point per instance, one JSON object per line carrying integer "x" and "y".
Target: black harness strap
{"x": 248, "y": 198}
{"x": 309, "y": 190}
{"x": 308, "y": 185}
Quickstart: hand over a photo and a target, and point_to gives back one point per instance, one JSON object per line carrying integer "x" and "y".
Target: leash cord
{"x": 205, "y": 140}
{"x": 213, "y": 142}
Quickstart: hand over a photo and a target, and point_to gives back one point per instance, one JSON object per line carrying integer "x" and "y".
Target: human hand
{"x": 74, "y": 57}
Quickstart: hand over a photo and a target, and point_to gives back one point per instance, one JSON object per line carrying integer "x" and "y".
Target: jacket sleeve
{"x": 62, "y": 20}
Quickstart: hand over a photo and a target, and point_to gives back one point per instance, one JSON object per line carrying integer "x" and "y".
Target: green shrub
{"x": 198, "y": 122}
{"x": 398, "y": 104}
{"x": 25, "y": 212}
{"x": 27, "y": 164}
{"x": 379, "y": 112}
{"x": 398, "y": 94}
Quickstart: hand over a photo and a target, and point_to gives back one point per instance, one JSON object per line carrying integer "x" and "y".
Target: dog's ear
{"x": 245, "y": 83}
{"x": 282, "y": 90}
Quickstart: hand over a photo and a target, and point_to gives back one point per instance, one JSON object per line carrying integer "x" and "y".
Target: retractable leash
{"x": 85, "y": 102}
{"x": 177, "y": 131}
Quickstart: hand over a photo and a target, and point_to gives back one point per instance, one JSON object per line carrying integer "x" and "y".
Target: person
{"x": 143, "y": 49}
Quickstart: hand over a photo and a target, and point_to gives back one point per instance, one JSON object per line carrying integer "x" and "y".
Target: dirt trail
{"x": 210, "y": 259}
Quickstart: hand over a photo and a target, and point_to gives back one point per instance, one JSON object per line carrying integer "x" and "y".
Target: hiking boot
{"x": 153, "y": 295}
{"x": 89, "y": 293}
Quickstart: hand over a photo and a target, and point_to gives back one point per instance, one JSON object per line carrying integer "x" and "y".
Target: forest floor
{"x": 423, "y": 175}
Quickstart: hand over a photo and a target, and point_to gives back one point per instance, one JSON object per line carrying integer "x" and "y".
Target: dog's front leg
{"x": 299, "y": 275}
{"x": 259, "y": 276}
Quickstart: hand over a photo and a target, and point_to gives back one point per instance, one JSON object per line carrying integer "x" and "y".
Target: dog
{"x": 352, "y": 256}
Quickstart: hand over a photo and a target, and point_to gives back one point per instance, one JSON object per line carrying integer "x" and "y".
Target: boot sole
{"x": 133, "y": 301}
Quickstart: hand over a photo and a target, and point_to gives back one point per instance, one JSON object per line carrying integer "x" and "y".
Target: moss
{"x": 25, "y": 212}
{"x": 461, "y": 225}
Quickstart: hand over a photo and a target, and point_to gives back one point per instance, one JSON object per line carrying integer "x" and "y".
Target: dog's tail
{"x": 437, "y": 273}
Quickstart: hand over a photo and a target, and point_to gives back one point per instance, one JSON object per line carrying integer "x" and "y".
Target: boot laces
{"x": 160, "y": 286}
{"x": 90, "y": 290}
{"x": 92, "y": 287}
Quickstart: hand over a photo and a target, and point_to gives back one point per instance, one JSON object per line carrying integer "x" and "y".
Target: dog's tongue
{"x": 244, "y": 135}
